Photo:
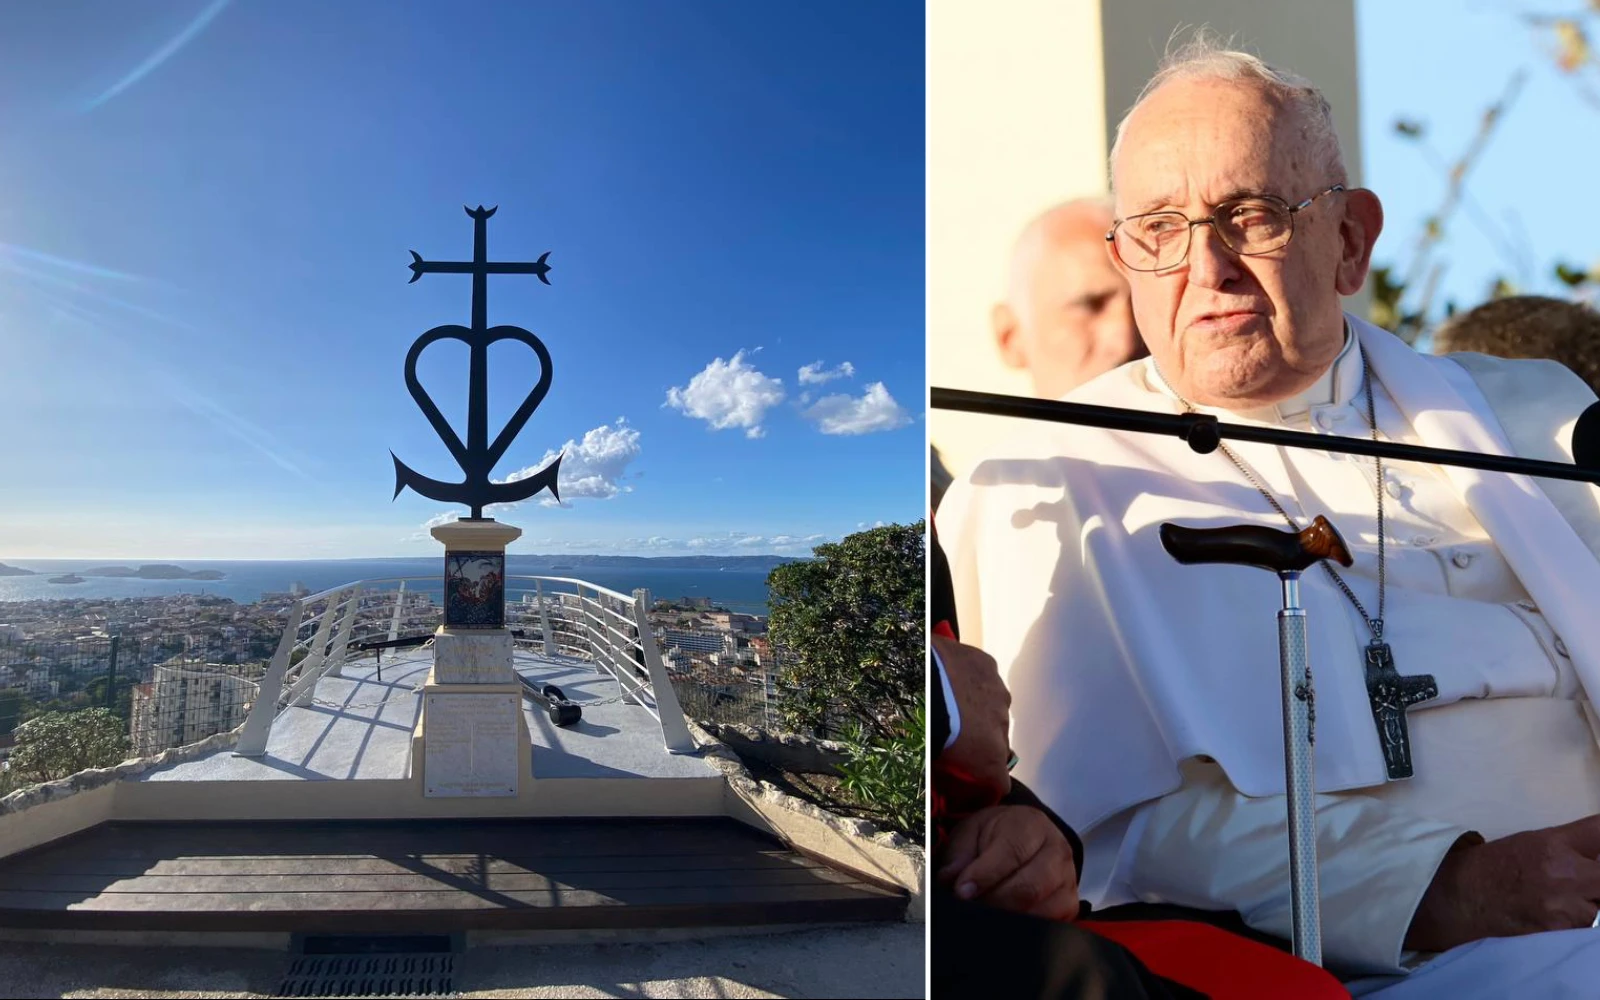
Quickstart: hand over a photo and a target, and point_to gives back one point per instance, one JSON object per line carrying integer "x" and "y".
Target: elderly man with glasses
{"x": 1458, "y": 827}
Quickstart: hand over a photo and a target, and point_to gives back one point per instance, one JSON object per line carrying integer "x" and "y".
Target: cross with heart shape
{"x": 478, "y": 457}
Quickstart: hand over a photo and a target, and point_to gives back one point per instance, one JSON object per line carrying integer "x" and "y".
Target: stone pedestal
{"x": 472, "y": 739}
{"x": 472, "y": 656}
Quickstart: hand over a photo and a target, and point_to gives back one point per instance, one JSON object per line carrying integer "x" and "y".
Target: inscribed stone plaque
{"x": 470, "y": 743}
{"x": 473, "y": 657}
{"x": 475, "y": 589}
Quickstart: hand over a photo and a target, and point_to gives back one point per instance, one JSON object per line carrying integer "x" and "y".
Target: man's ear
{"x": 1003, "y": 322}
{"x": 1358, "y": 234}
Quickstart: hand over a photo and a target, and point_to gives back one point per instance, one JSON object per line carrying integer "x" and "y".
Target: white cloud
{"x": 816, "y": 373}
{"x": 591, "y": 469}
{"x": 728, "y": 394}
{"x": 422, "y": 532}
{"x": 874, "y": 410}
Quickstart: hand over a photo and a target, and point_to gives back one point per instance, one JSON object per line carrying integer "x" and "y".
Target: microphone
{"x": 1586, "y": 439}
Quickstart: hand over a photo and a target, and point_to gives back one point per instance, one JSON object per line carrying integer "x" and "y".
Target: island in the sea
{"x": 14, "y": 571}
{"x": 69, "y": 578}
{"x": 154, "y": 571}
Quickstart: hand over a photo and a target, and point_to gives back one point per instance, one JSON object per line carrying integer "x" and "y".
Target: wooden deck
{"x": 428, "y": 877}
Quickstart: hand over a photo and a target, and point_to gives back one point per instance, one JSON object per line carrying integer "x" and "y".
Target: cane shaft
{"x": 1298, "y": 737}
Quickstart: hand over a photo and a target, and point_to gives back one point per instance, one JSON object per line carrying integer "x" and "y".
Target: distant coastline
{"x": 734, "y": 582}
{"x": 164, "y": 571}
{"x": 568, "y": 562}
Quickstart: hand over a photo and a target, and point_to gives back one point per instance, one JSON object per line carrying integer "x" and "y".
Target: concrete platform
{"x": 359, "y": 727}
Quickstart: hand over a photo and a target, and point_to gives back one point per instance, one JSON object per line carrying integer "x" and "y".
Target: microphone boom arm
{"x": 1202, "y": 432}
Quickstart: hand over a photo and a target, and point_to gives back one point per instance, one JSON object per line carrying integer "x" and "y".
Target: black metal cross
{"x": 480, "y": 267}
{"x": 1390, "y": 694}
{"x": 477, "y": 458}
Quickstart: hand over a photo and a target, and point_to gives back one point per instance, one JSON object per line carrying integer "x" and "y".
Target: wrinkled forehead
{"x": 1194, "y": 143}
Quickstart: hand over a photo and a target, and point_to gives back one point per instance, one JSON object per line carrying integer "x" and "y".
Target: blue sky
{"x": 205, "y": 213}
{"x": 1531, "y": 196}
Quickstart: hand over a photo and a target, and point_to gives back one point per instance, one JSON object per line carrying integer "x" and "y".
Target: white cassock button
{"x": 1462, "y": 559}
{"x": 1396, "y": 488}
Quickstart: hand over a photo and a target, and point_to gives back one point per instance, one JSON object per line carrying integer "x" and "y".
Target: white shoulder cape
{"x": 1121, "y": 663}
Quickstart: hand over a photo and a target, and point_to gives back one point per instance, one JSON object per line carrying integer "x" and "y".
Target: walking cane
{"x": 1288, "y": 554}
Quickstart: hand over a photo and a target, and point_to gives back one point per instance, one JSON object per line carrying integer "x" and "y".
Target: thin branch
{"x": 1434, "y": 231}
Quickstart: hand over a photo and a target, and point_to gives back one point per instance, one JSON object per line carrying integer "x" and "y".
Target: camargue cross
{"x": 477, "y": 458}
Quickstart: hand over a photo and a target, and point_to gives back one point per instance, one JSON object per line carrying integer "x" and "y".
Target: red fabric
{"x": 1224, "y": 966}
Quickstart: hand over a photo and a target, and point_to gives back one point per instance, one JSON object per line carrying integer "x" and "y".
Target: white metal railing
{"x": 557, "y": 616}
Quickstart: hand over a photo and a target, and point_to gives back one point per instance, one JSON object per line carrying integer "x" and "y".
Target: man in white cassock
{"x": 1145, "y": 694}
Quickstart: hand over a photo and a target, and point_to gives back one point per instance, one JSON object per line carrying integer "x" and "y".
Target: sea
{"x": 743, "y": 590}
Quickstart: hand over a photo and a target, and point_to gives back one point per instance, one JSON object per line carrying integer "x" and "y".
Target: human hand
{"x": 1540, "y": 880}
{"x": 1013, "y": 858}
{"x": 982, "y": 749}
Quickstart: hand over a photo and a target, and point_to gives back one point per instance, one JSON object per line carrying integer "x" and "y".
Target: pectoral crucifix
{"x": 1390, "y": 694}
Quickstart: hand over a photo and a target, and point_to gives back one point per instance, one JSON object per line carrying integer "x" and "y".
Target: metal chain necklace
{"x": 1388, "y": 692}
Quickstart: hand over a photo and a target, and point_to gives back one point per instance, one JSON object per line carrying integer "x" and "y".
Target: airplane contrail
{"x": 62, "y": 262}
{"x": 182, "y": 392}
{"x": 162, "y": 54}
{"x": 78, "y": 288}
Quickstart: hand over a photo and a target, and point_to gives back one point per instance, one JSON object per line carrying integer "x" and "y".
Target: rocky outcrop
{"x": 50, "y": 791}
{"x": 785, "y": 751}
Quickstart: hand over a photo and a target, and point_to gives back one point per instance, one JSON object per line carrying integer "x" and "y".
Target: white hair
{"x": 1207, "y": 57}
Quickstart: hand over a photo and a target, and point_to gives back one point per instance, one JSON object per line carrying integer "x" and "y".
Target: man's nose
{"x": 1211, "y": 263}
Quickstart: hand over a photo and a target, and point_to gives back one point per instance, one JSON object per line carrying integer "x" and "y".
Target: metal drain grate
{"x": 369, "y": 975}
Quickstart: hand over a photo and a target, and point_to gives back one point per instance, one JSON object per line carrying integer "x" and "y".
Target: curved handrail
{"x": 607, "y": 627}
{"x": 573, "y": 580}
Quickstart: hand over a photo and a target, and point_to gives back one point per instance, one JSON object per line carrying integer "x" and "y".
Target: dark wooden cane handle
{"x": 1256, "y": 545}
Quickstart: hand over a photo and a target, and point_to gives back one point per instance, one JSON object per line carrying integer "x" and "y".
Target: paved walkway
{"x": 877, "y": 960}
{"x": 359, "y": 727}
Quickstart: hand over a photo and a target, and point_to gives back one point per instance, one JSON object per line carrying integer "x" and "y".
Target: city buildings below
{"x": 179, "y": 668}
{"x": 184, "y": 703}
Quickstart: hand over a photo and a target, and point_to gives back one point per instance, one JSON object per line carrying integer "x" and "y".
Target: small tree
{"x": 56, "y": 744}
{"x": 855, "y": 621}
{"x": 854, "y": 618}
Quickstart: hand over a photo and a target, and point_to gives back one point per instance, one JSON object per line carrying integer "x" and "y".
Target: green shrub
{"x": 886, "y": 772}
{"x": 56, "y": 744}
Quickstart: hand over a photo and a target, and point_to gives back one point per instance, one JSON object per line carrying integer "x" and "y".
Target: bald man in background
{"x": 1067, "y": 316}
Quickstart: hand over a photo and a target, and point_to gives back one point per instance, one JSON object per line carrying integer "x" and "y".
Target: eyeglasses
{"x": 1249, "y": 226}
